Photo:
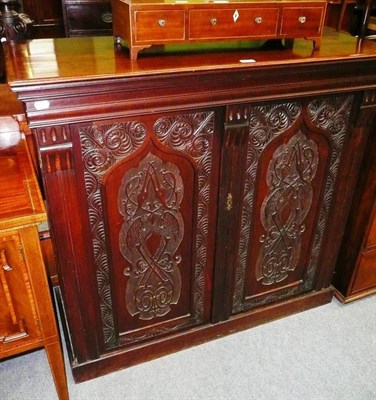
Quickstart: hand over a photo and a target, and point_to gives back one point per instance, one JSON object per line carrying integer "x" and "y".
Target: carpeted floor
{"x": 328, "y": 353}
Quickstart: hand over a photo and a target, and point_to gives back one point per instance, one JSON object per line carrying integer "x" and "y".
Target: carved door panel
{"x": 150, "y": 185}
{"x": 18, "y": 315}
{"x": 292, "y": 157}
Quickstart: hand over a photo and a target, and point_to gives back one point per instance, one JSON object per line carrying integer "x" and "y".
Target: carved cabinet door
{"x": 292, "y": 154}
{"x": 149, "y": 194}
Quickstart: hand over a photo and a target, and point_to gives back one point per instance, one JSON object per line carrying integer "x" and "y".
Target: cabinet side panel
{"x": 64, "y": 210}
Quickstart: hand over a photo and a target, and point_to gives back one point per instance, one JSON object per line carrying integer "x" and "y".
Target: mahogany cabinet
{"x": 355, "y": 275}
{"x": 193, "y": 195}
{"x": 27, "y": 319}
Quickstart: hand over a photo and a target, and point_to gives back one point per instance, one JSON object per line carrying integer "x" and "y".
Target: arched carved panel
{"x": 152, "y": 292}
{"x": 265, "y": 123}
{"x": 331, "y": 116}
{"x": 192, "y": 134}
{"x": 102, "y": 146}
{"x": 284, "y": 209}
{"x": 149, "y": 200}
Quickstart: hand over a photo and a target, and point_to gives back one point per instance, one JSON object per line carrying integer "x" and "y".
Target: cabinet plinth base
{"x": 114, "y": 362}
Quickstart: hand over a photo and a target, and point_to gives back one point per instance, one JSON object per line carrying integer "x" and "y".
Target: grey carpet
{"x": 328, "y": 353}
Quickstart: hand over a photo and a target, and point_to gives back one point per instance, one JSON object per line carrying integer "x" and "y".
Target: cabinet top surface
{"x": 54, "y": 61}
{"x": 20, "y": 199}
{"x": 216, "y": 2}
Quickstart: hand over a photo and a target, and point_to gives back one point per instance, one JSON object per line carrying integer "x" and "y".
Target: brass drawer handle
{"x": 229, "y": 202}
{"x": 213, "y": 21}
{"x": 302, "y": 19}
{"x": 258, "y": 20}
{"x": 14, "y": 337}
{"x": 7, "y": 267}
{"x": 107, "y": 18}
{"x": 162, "y": 22}
{"x": 4, "y": 261}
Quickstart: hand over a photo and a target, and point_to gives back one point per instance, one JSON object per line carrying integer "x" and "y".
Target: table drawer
{"x": 18, "y": 318}
{"x": 159, "y": 25}
{"x": 365, "y": 277}
{"x": 232, "y": 23}
{"x": 304, "y": 21}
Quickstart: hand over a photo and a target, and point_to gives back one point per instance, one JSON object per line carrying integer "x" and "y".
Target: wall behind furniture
{"x": 47, "y": 16}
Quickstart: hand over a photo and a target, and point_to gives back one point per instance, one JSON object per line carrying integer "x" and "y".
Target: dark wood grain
{"x": 87, "y": 18}
{"x": 47, "y": 17}
{"x": 355, "y": 275}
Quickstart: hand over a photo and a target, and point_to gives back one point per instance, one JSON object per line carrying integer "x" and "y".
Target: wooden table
{"x": 27, "y": 319}
{"x": 143, "y": 23}
{"x": 192, "y": 194}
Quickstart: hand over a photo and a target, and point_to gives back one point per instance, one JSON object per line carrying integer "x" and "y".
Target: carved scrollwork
{"x": 266, "y": 123}
{"x": 290, "y": 173}
{"x": 330, "y": 114}
{"x": 192, "y": 134}
{"x": 102, "y": 146}
{"x": 339, "y": 109}
{"x": 14, "y": 25}
{"x": 99, "y": 154}
{"x": 149, "y": 198}
{"x": 105, "y": 144}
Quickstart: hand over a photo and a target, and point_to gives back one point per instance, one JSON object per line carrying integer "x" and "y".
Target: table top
{"x": 20, "y": 199}
{"x": 9, "y": 104}
{"x": 43, "y": 61}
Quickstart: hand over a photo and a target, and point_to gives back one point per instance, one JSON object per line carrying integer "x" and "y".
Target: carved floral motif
{"x": 265, "y": 123}
{"x": 192, "y": 134}
{"x": 330, "y": 114}
{"x": 102, "y": 146}
{"x": 337, "y": 109}
{"x": 149, "y": 198}
{"x": 290, "y": 173}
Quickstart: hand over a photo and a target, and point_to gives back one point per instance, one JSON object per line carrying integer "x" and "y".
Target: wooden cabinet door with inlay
{"x": 147, "y": 195}
{"x": 18, "y": 317}
{"x": 283, "y": 209}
